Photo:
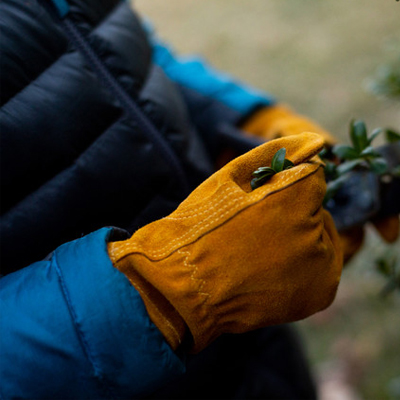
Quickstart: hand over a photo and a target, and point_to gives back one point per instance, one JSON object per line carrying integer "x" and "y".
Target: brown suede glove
{"x": 230, "y": 259}
{"x": 352, "y": 239}
{"x": 280, "y": 121}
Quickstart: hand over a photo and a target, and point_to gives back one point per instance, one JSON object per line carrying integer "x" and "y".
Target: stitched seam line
{"x": 116, "y": 253}
{"x": 202, "y": 225}
{"x": 198, "y": 225}
{"x": 206, "y": 208}
{"x": 85, "y": 345}
{"x": 132, "y": 247}
{"x": 194, "y": 268}
{"x": 181, "y": 214}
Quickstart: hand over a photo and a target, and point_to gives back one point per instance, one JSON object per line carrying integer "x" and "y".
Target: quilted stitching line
{"x": 96, "y": 367}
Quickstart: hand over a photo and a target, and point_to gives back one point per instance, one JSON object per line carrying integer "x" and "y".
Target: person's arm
{"x": 74, "y": 327}
{"x": 231, "y": 259}
{"x": 220, "y": 98}
{"x": 195, "y": 74}
{"x": 218, "y": 101}
{"x": 105, "y": 316}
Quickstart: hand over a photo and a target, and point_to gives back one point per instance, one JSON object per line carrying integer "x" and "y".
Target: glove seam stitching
{"x": 252, "y": 200}
{"x": 198, "y": 281}
{"x": 185, "y": 215}
{"x": 212, "y": 207}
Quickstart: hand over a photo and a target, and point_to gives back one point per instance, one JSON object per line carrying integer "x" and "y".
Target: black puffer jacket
{"x": 72, "y": 158}
{"x": 102, "y": 125}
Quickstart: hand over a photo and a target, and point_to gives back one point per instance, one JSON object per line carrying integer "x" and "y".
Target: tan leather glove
{"x": 230, "y": 259}
{"x": 279, "y": 121}
{"x": 352, "y": 239}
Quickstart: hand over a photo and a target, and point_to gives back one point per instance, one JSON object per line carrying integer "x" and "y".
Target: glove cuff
{"x": 160, "y": 310}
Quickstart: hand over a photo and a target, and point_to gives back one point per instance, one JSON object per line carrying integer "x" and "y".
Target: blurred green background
{"x": 319, "y": 57}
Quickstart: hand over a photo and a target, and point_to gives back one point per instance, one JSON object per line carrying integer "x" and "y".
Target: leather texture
{"x": 230, "y": 259}
{"x": 279, "y": 121}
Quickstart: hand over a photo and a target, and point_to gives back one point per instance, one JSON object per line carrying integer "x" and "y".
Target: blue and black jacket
{"x": 101, "y": 125}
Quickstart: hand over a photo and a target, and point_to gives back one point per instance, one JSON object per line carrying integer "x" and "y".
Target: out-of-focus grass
{"x": 359, "y": 335}
{"x": 316, "y": 56}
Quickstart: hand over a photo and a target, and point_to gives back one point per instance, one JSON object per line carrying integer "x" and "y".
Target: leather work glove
{"x": 352, "y": 239}
{"x": 229, "y": 259}
{"x": 280, "y": 121}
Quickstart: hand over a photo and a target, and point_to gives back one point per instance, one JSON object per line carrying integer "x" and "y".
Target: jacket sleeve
{"x": 217, "y": 102}
{"x": 74, "y": 327}
{"x": 194, "y": 73}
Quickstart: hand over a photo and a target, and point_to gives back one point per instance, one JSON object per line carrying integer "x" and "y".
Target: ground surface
{"x": 317, "y": 56}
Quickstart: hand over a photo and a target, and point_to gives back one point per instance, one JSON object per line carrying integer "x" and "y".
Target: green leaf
{"x": 332, "y": 187}
{"x": 287, "y": 164}
{"x": 348, "y": 166}
{"x": 330, "y": 170}
{"x": 369, "y": 152}
{"x": 384, "y": 266}
{"x": 374, "y": 134}
{"x": 278, "y": 164}
{"x": 358, "y": 135}
{"x": 278, "y": 160}
{"x": 323, "y": 153}
{"x": 378, "y": 165}
{"x": 254, "y": 184}
{"x": 257, "y": 182}
{"x": 263, "y": 171}
{"x": 392, "y": 136}
{"x": 345, "y": 152}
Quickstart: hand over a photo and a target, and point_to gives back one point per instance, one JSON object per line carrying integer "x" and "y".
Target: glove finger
{"x": 388, "y": 228}
{"x": 351, "y": 241}
{"x": 333, "y": 234}
{"x": 299, "y": 149}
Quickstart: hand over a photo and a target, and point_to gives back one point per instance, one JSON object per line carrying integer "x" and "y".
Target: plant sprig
{"x": 278, "y": 164}
{"x": 389, "y": 266}
{"x": 362, "y": 152}
{"x": 360, "y": 155}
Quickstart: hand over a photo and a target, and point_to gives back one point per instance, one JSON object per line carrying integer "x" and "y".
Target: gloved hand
{"x": 280, "y": 121}
{"x": 352, "y": 239}
{"x": 230, "y": 259}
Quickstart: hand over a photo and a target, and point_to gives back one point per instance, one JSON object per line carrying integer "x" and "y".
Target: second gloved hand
{"x": 230, "y": 259}
{"x": 280, "y": 121}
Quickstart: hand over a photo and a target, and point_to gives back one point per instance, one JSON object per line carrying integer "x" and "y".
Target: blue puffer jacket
{"x": 75, "y": 160}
